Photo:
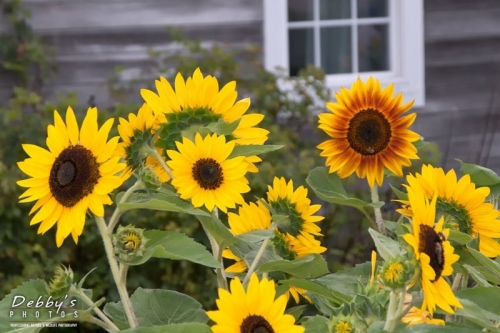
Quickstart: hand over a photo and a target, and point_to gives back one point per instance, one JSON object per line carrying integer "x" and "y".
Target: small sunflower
{"x": 433, "y": 252}
{"x": 136, "y": 132}
{"x": 203, "y": 173}
{"x": 417, "y": 316}
{"x": 368, "y": 132}
{"x": 253, "y": 310}
{"x": 201, "y": 94}
{"x": 252, "y": 217}
{"x": 76, "y": 174}
{"x": 463, "y": 202}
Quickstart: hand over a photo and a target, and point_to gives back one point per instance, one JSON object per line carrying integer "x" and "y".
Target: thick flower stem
{"x": 217, "y": 253}
{"x": 378, "y": 212}
{"x": 116, "y": 214}
{"x": 115, "y": 270}
{"x": 255, "y": 262}
{"x": 391, "y": 319}
{"x": 109, "y": 325}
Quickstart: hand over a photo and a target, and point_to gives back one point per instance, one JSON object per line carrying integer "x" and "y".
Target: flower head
{"x": 433, "y": 252}
{"x": 368, "y": 132}
{"x": 253, "y": 310}
{"x": 204, "y": 173}
{"x": 460, "y": 201}
{"x": 76, "y": 174}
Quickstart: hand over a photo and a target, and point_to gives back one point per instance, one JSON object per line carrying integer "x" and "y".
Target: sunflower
{"x": 461, "y": 201}
{"x": 418, "y": 316}
{"x": 203, "y": 173}
{"x": 368, "y": 132}
{"x": 433, "y": 252}
{"x": 76, "y": 174}
{"x": 255, "y": 310}
{"x": 201, "y": 94}
{"x": 252, "y": 217}
{"x": 136, "y": 132}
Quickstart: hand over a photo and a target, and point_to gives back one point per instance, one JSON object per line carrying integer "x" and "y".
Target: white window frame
{"x": 406, "y": 47}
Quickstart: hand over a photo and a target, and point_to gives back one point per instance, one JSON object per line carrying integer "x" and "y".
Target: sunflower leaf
{"x": 154, "y": 307}
{"x": 316, "y": 288}
{"x": 316, "y": 324}
{"x": 174, "y": 328}
{"x": 251, "y": 150}
{"x": 475, "y": 314}
{"x": 480, "y": 175}
{"x": 328, "y": 187}
{"x": 296, "y": 311}
{"x": 459, "y": 237}
{"x": 222, "y": 128}
{"x": 400, "y": 194}
{"x": 387, "y": 247}
{"x": 175, "y": 246}
{"x": 256, "y": 236}
{"x": 307, "y": 267}
{"x": 477, "y": 276}
{"x": 492, "y": 266}
{"x": 484, "y": 297}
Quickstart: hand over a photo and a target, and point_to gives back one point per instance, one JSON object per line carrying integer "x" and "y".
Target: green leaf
{"x": 218, "y": 230}
{"x": 487, "y": 298}
{"x": 174, "y": 328}
{"x": 480, "y": 175}
{"x": 386, "y": 247}
{"x": 492, "y": 266}
{"x": 251, "y": 150}
{"x": 477, "y": 276}
{"x": 316, "y": 324}
{"x": 175, "y": 246}
{"x": 308, "y": 267}
{"x": 222, "y": 128}
{"x": 328, "y": 187}
{"x": 296, "y": 311}
{"x": 160, "y": 201}
{"x": 314, "y": 287}
{"x": 475, "y": 314}
{"x": 399, "y": 194}
{"x": 256, "y": 236}
{"x": 155, "y": 307}
{"x": 459, "y": 237}
{"x": 428, "y": 328}
{"x": 34, "y": 290}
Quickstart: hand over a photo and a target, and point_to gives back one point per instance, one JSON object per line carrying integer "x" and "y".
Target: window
{"x": 349, "y": 38}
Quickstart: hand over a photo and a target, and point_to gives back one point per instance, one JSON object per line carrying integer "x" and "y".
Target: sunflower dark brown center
{"x": 73, "y": 176}
{"x": 431, "y": 243}
{"x": 255, "y": 324}
{"x": 369, "y": 132}
{"x": 208, "y": 173}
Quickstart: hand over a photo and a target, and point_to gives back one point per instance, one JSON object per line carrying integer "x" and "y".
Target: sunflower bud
{"x": 60, "y": 284}
{"x": 129, "y": 242}
{"x": 149, "y": 178}
{"x": 342, "y": 325}
{"x": 394, "y": 274}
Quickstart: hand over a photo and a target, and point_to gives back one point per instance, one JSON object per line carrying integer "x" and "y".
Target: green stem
{"x": 155, "y": 154}
{"x": 116, "y": 214}
{"x": 456, "y": 282}
{"x": 368, "y": 217}
{"x": 109, "y": 324}
{"x": 101, "y": 324}
{"x": 391, "y": 320}
{"x": 217, "y": 253}
{"x": 113, "y": 264}
{"x": 378, "y": 213}
{"x": 256, "y": 260}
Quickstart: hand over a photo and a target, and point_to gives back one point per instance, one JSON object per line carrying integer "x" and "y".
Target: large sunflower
{"x": 255, "y": 310}
{"x": 199, "y": 93}
{"x": 203, "y": 173}
{"x": 252, "y": 217}
{"x": 433, "y": 252}
{"x": 463, "y": 202}
{"x": 76, "y": 174}
{"x": 135, "y": 132}
{"x": 368, "y": 132}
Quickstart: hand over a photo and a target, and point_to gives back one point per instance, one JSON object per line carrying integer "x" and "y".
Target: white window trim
{"x": 406, "y": 50}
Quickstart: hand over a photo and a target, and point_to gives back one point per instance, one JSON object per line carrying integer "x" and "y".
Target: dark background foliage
{"x": 291, "y": 118}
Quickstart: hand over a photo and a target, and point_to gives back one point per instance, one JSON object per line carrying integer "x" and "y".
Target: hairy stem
{"x": 391, "y": 319}
{"x": 116, "y": 214}
{"x": 377, "y": 211}
{"x": 115, "y": 270}
{"x": 217, "y": 253}
{"x": 109, "y": 325}
{"x": 255, "y": 262}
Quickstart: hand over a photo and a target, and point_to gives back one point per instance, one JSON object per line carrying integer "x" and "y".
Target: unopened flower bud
{"x": 394, "y": 274}
{"x": 61, "y": 283}
{"x": 129, "y": 242}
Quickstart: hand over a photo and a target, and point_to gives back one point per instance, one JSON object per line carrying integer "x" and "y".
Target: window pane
{"x": 300, "y": 10}
{"x": 336, "y": 50}
{"x": 335, "y": 9}
{"x": 372, "y": 8}
{"x": 373, "y": 41}
{"x": 301, "y": 49}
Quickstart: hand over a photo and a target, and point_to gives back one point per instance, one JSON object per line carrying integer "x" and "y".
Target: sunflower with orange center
{"x": 368, "y": 132}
